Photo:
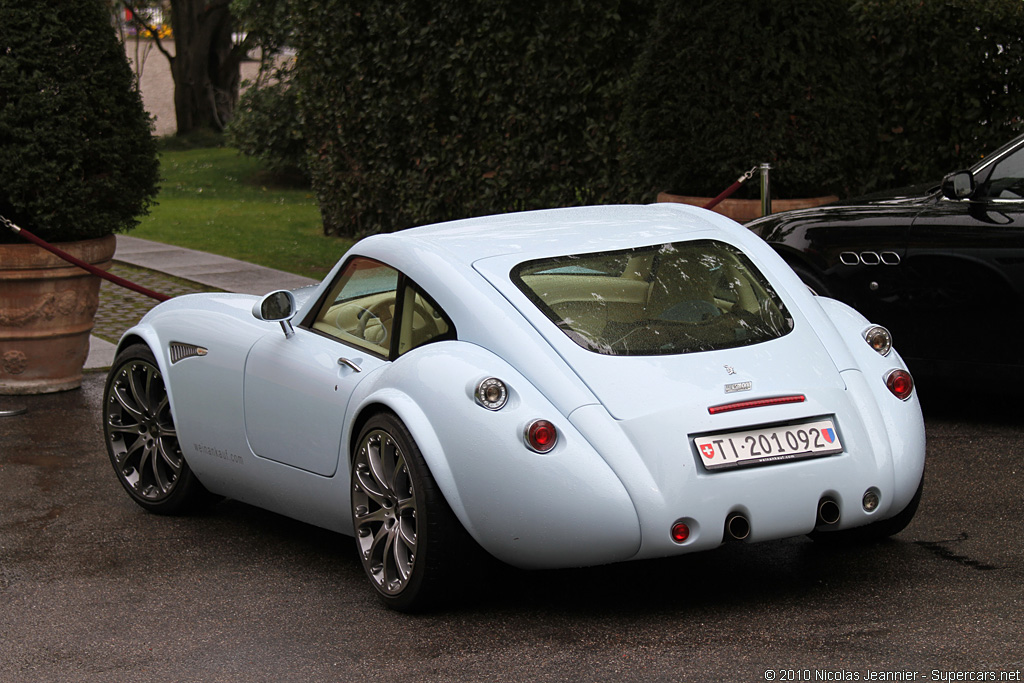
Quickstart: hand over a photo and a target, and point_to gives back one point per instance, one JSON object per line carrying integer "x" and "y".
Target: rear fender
{"x": 902, "y": 421}
{"x": 565, "y": 507}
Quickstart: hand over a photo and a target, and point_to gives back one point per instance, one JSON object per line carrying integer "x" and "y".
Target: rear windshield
{"x": 669, "y": 299}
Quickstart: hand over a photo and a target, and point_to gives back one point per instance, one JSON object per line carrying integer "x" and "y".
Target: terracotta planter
{"x": 743, "y": 210}
{"x": 47, "y": 308}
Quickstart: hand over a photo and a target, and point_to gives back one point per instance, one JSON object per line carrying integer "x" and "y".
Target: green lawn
{"x": 216, "y": 200}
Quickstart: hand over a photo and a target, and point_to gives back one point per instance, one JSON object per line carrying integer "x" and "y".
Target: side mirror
{"x": 958, "y": 185}
{"x": 277, "y": 307}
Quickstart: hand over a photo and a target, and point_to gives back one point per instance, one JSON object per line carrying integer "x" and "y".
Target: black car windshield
{"x": 675, "y": 298}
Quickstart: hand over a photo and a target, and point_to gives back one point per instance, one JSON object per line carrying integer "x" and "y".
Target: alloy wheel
{"x": 140, "y": 431}
{"x": 384, "y": 511}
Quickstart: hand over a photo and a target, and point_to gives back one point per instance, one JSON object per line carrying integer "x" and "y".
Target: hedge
{"x": 417, "y": 112}
{"x": 949, "y": 81}
{"x": 414, "y": 112}
{"x": 840, "y": 96}
{"x": 724, "y": 86}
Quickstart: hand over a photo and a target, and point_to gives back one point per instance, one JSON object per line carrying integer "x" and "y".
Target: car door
{"x": 965, "y": 259}
{"x": 297, "y": 388}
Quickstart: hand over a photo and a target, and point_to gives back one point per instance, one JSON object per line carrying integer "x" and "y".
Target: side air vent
{"x": 180, "y": 351}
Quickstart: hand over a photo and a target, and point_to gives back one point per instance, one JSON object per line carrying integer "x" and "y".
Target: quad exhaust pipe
{"x": 828, "y": 512}
{"x": 737, "y": 527}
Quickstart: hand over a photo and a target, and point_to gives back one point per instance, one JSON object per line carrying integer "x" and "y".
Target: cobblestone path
{"x": 121, "y": 308}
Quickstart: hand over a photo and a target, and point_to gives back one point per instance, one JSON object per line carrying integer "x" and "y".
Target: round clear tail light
{"x": 879, "y": 339}
{"x": 541, "y": 436}
{"x": 871, "y": 499}
{"x": 900, "y": 383}
{"x": 491, "y": 393}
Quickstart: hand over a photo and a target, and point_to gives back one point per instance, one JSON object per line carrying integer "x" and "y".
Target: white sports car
{"x": 561, "y": 388}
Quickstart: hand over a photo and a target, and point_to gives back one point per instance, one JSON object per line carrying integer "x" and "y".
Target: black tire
{"x": 813, "y": 282}
{"x": 877, "y": 531}
{"x": 141, "y": 438}
{"x": 409, "y": 541}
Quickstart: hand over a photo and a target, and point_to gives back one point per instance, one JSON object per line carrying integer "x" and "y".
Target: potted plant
{"x": 78, "y": 164}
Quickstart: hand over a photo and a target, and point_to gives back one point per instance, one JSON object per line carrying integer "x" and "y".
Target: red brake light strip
{"x": 756, "y": 403}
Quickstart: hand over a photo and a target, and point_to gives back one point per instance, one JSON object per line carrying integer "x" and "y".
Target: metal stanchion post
{"x": 766, "y": 189}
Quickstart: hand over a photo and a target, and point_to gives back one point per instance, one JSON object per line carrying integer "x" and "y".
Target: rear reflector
{"x": 541, "y": 436}
{"x": 757, "y": 403}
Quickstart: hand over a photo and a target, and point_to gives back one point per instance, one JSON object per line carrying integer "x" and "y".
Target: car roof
{"x": 549, "y": 232}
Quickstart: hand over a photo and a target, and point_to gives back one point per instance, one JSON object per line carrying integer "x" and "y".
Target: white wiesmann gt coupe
{"x": 567, "y": 387}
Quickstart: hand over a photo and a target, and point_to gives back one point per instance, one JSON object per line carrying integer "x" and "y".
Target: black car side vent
{"x": 180, "y": 351}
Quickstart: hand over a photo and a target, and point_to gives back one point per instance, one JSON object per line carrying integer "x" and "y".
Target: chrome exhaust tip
{"x": 737, "y": 527}
{"x": 828, "y": 512}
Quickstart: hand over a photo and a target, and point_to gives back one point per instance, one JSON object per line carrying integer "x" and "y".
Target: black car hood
{"x": 922, "y": 192}
{"x": 905, "y": 201}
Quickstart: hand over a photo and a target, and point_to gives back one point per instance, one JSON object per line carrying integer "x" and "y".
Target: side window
{"x": 422, "y": 321}
{"x": 371, "y": 303}
{"x": 1007, "y": 179}
{"x": 360, "y": 308}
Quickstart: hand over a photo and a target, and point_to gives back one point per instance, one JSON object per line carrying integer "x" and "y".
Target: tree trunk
{"x": 206, "y": 64}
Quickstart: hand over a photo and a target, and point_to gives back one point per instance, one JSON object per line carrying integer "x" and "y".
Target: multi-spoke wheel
{"x": 141, "y": 438}
{"x": 406, "y": 534}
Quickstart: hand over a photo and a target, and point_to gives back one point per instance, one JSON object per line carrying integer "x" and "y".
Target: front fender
{"x": 562, "y": 508}
{"x": 204, "y": 392}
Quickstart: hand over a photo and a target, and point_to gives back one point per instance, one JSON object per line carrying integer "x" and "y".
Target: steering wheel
{"x": 374, "y": 322}
{"x": 428, "y": 318}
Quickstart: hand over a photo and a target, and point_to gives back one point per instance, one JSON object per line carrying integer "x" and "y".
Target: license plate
{"x": 768, "y": 444}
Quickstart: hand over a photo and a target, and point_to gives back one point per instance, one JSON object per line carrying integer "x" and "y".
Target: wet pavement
{"x": 92, "y": 588}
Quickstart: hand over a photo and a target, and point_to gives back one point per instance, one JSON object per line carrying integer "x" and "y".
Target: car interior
{"x": 678, "y": 298}
{"x": 361, "y": 310}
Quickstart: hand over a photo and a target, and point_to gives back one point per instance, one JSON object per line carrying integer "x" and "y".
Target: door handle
{"x": 351, "y": 364}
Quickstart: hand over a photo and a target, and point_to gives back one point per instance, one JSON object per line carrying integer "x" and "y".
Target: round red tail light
{"x": 680, "y": 532}
{"x": 900, "y": 383}
{"x": 541, "y": 436}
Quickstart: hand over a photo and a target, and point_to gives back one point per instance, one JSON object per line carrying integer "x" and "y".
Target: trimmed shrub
{"x": 77, "y": 158}
{"x": 267, "y": 126}
{"x": 419, "y": 112}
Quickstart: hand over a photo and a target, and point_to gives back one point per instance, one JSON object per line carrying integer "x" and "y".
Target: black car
{"x": 942, "y": 266}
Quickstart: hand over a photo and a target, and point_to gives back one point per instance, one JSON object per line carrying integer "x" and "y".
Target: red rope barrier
{"x": 731, "y": 189}
{"x": 82, "y": 264}
{"x": 725, "y": 195}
